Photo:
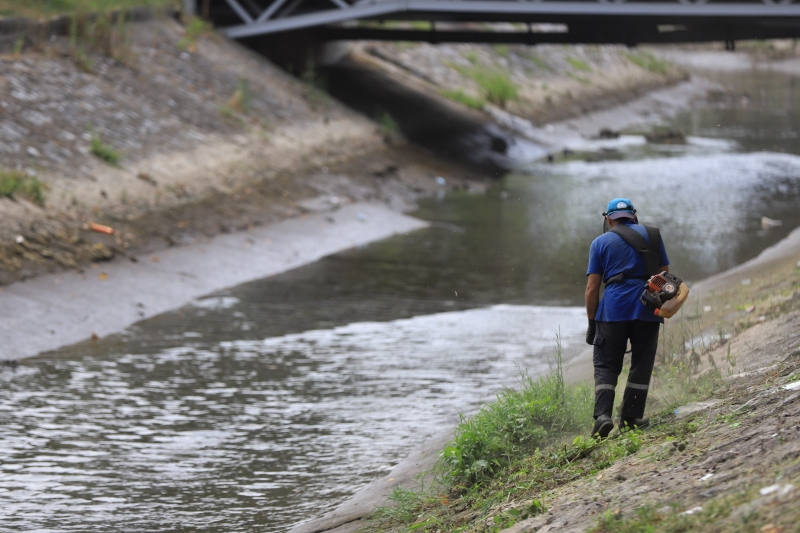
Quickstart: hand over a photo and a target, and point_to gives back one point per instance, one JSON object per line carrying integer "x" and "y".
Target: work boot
{"x": 602, "y": 426}
{"x": 634, "y": 423}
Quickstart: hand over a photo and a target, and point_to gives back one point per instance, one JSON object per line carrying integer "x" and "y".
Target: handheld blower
{"x": 665, "y": 294}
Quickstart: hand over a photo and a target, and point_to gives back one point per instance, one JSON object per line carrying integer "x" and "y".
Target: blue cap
{"x": 620, "y": 208}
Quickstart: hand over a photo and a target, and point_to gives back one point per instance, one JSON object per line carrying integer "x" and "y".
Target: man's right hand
{"x": 590, "y": 331}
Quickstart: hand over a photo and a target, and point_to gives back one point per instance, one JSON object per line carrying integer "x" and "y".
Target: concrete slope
{"x": 61, "y": 309}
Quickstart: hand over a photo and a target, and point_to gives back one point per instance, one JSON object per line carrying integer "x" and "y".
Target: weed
{"x": 471, "y": 56}
{"x": 19, "y": 45}
{"x": 103, "y": 151}
{"x": 317, "y": 86}
{"x": 579, "y": 64}
{"x": 242, "y": 98}
{"x": 403, "y": 507}
{"x": 18, "y": 184}
{"x": 388, "y": 125}
{"x": 497, "y": 86}
{"x": 581, "y": 79}
{"x": 516, "y": 424}
{"x": 502, "y": 49}
{"x": 648, "y": 61}
{"x": 462, "y": 98}
{"x": 195, "y": 28}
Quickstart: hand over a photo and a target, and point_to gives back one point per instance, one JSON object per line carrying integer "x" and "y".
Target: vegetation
{"x": 648, "y": 61}
{"x": 195, "y": 28}
{"x": 103, "y": 151}
{"x": 49, "y": 8}
{"x": 463, "y": 98}
{"x": 503, "y": 460}
{"x": 579, "y": 64}
{"x": 497, "y": 86}
{"x": 15, "y": 184}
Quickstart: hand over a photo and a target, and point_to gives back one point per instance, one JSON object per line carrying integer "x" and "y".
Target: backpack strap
{"x": 650, "y": 252}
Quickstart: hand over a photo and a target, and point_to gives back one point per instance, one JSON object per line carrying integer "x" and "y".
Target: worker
{"x": 623, "y": 258}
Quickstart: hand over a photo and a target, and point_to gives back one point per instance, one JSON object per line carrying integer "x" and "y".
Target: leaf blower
{"x": 665, "y": 294}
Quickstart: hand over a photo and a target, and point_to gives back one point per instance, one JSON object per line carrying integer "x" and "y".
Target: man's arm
{"x": 592, "y": 294}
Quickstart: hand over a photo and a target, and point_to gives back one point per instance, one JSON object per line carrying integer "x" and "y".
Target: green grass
{"x": 18, "y": 184}
{"x": 648, "y": 61}
{"x": 502, "y": 49}
{"x": 496, "y": 85}
{"x": 514, "y": 426}
{"x": 49, "y": 8}
{"x": 462, "y": 98}
{"x": 579, "y": 64}
{"x": 103, "y": 151}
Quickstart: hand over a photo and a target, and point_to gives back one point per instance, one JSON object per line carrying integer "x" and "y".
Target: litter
{"x": 100, "y": 228}
{"x": 782, "y": 490}
{"x": 707, "y": 309}
{"x": 792, "y": 386}
{"x": 707, "y": 476}
{"x": 692, "y": 510}
{"x": 440, "y": 180}
{"x": 20, "y": 239}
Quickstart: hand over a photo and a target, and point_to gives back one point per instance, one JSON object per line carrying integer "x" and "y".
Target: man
{"x": 620, "y": 316}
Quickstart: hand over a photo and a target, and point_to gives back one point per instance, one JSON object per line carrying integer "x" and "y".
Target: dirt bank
{"x": 171, "y": 134}
{"x": 168, "y": 133}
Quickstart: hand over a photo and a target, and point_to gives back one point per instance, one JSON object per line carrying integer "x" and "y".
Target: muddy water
{"x": 270, "y": 403}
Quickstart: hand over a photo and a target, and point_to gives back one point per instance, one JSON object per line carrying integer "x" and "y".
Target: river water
{"x": 270, "y": 403}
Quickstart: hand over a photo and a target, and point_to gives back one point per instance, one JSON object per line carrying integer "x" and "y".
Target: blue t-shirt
{"x": 609, "y": 255}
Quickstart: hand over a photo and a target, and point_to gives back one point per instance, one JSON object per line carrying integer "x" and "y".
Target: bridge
{"x": 627, "y": 22}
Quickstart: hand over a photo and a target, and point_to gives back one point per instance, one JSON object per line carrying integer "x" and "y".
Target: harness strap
{"x": 650, "y": 252}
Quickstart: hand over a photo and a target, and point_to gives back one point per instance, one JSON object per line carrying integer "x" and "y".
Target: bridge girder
{"x": 599, "y": 21}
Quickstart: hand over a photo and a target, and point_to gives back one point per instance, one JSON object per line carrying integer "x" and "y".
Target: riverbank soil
{"x": 168, "y": 134}
{"x": 722, "y": 454}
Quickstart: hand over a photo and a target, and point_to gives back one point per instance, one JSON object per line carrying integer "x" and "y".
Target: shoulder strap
{"x": 650, "y": 252}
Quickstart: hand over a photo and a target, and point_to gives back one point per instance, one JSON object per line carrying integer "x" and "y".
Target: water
{"x": 272, "y": 402}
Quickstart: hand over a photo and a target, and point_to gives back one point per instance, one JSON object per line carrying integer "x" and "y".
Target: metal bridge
{"x": 529, "y": 21}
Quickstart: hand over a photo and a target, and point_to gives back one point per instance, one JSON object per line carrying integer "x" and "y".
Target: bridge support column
{"x": 298, "y": 50}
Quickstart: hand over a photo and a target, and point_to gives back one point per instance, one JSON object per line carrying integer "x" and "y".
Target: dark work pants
{"x": 610, "y": 344}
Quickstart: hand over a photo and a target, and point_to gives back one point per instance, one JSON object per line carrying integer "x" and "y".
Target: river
{"x": 270, "y": 403}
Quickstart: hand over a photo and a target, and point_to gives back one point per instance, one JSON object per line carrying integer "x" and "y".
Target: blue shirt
{"x": 609, "y": 255}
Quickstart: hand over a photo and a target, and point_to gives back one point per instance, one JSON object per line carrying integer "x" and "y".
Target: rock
{"x": 666, "y": 137}
{"x": 607, "y": 133}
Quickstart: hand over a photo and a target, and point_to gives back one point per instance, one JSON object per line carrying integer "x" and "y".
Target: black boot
{"x": 602, "y": 426}
{"x": 634, "y": 423}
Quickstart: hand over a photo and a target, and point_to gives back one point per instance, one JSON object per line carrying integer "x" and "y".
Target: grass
{"x": 648, "y": 61}
{"x": 496, "y": 85}
{"x": 195, "y": 28}
{"x": 579, "y": 64}
{"x": 463, "y": 98}
{"x": 50, "y": 8}
{"x": 15, "y": 184}
{"x": 103, "y": 151}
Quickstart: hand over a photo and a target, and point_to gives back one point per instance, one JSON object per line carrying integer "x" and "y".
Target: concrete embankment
{"x": 59, "y": 309}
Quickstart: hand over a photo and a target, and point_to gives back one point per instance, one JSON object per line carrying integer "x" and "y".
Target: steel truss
{"x": 598, "y": 21}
